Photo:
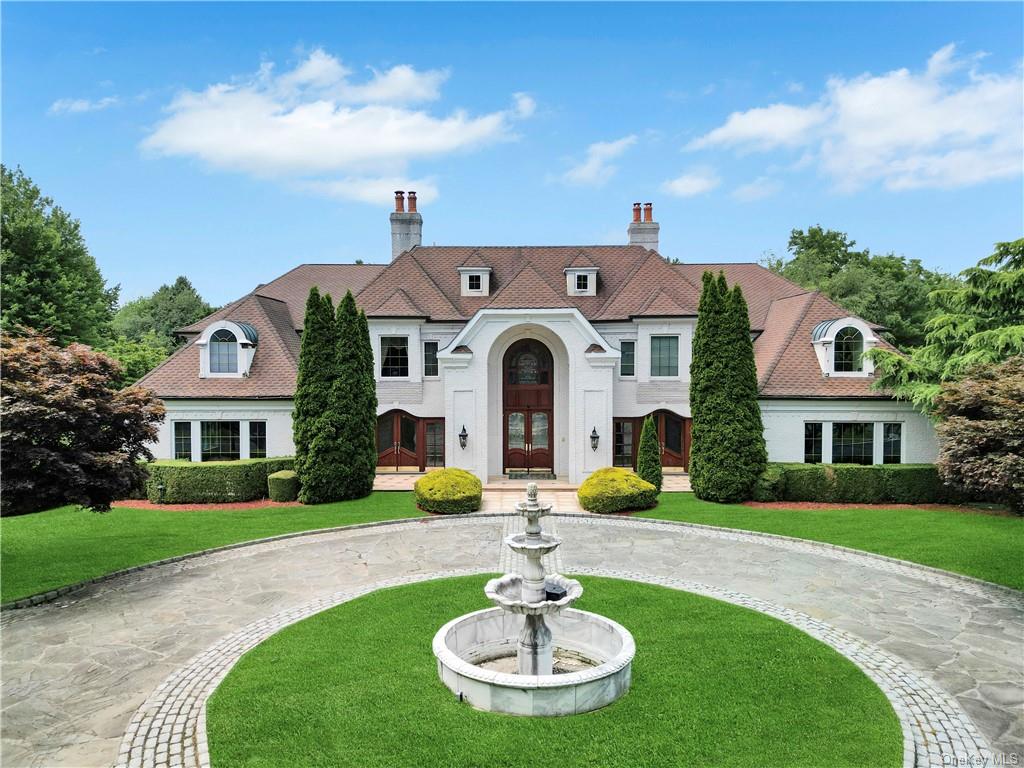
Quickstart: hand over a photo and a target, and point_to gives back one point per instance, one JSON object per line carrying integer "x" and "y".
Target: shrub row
{"x": 614, "y": 489}
{"x": 852, "y": 483}
{"x": 209, "y": 482}
{"x": 448, "y": 491}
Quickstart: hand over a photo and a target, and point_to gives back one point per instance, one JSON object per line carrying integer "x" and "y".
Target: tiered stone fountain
{"x": 534, "y": 654}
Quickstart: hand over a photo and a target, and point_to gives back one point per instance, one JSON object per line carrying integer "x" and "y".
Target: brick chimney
{"x": 406, "y": 226}
{"x": 644, "y": 232}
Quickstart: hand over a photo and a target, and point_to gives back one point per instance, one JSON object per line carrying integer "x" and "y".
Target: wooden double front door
{"x": 528, "y": 407}
{"x": 408, "y": 443}
{"x": 673, "y": 440}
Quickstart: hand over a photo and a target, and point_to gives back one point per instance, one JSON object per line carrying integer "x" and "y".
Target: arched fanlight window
{"x": 849, "y": 350}
{"x": 223, "y": 352}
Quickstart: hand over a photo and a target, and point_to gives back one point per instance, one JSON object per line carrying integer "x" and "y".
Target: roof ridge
{"x": 433, "y": 282}
{"x": 789, "y": 335}
{"x": 641, "y": 260}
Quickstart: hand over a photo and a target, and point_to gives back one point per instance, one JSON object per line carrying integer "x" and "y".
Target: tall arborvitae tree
{"x": 313, "y": 386}
{"x": 648, "y": 454}
{"x": 351, "y": 407}
{"x": 366, "y": 431}
{"x": 727, "y": 454}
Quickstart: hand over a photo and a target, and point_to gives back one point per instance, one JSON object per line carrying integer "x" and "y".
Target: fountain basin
{"x": 529, "y": 544}
{"x": 506, "y": 592}
{"x": 464, "y": 643}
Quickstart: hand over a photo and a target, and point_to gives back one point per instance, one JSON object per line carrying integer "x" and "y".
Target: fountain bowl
{"x": 605, "y": 646}
{"x": 506, "y": 592}
{"x": 541, "y": 544}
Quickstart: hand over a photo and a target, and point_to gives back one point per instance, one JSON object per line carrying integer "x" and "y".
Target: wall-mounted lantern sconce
{"x": 594, "y": 439}
{"x": 463, "y": 437}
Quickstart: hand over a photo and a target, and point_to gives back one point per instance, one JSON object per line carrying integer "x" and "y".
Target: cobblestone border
{"x": 169, "y": 729}
{"x": 957, "y": 581}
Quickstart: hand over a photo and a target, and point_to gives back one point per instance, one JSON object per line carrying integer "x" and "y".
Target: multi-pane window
{"x": 223, "y": 352}
{"x": 853, "y": 443}
{"x": 474, "y": 282}
{"x": 183, "y": 440}
{"x": 812, "y": 442}
{"x": 664, "y": 355}
{"x": 892, "y": 443}
{"x": 849, "y": 351}
{"x": 394, "y": 356}
{"x": 582, "y": 282}
{"x": 434, "y": 444}
{"x": 257, "y": 439}
{"x": 221, "y": 440}
{"x": 430, "y": 358}
{"x": 627, "y": 363}
{"x": 622, "y": 456}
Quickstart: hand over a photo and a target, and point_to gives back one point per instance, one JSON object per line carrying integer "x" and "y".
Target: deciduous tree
{"x": 982, "y": 432}
{"x": 168, "y": 308}
{"x": 70, "y": 435}
{"x": 50, "y": 282}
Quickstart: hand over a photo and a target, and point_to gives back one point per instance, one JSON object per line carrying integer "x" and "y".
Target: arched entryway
{"x": 407, "y": 443}
{"x": 673, "y": 433}
{"x": 528, "y": 374}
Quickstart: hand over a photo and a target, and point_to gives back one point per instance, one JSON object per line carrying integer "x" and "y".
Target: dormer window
{"x": 476, "y": 281}
{"x": 581, "y": 281}
{"x": 223, "y": 352}
{"x": 226, "y": 349}
{"x": 848, "y": 356}
{"x": 840, "y": 346}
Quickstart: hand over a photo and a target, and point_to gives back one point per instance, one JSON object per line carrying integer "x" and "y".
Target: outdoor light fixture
{"x": 463, "y": 437}
{"x": 594, "y": 439}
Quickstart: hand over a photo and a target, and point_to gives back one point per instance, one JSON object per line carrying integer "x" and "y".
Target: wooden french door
{"x": 673, "y": 440}
{"x": 407, "y": 443}
{"x": 528, "y": 412}
{"x": 528, "y": 440}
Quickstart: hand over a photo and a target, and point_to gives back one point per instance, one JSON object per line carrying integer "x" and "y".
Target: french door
{"x": 673, "y": 440}
{"x": 406, "y": 443}
{"x": 528, "y": 440}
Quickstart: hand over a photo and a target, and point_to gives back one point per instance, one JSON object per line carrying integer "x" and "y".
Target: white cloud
{"x": 949, "y": 125}
{"x": 692, "y": 183}
{"x": 597, "y": 168}
{"x": 758, "y": 189}
{"x": 795, "y": 87}
{"x": 77, "y": 106}
{"x": 525, "y": 106}
{"x": 314, "y": 120}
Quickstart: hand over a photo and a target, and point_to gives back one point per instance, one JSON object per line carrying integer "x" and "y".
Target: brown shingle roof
{"x": 398, "y": 304}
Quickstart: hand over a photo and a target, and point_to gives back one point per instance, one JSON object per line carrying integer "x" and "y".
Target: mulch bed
{"x": 258, "y": 504}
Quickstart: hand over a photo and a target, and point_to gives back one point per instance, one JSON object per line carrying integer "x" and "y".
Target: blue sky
{"x": 232, "y": 142}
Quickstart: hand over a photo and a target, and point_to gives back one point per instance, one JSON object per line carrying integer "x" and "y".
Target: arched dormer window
{"x": 226, "y": 349}
{"x": 848, "y": 355}
{"x": 223, "y": 352}
{"x": 840, "y": 346}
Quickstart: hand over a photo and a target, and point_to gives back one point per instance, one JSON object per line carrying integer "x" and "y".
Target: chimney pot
{"x": 636, "y": 212}
{"x": 648, "y": 212}
{"x": 399, "y": 201}
{"x": 412, "y": 202}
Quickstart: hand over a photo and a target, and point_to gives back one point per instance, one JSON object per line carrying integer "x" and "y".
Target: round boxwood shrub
{"x": 448, "y": 491}
{"x": 283, "y": 485}
{"x": 614, "y": 489}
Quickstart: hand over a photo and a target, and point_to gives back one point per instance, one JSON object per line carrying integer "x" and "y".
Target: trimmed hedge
{"x": 210, "y": 482}
{"x": 448, "y": 491}
{"x": 614, "y": 489}
{"x": 283, "y": 485}
{"x": 853, "y": 484}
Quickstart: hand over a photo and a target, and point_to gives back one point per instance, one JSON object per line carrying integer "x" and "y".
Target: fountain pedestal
{"x": 599, "y": 648}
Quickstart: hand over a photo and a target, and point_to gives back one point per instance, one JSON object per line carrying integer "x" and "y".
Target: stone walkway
{"x": 77, "y": 671}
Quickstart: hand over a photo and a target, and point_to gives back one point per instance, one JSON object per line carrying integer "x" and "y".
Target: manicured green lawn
{"x": 984, "y": 546}
{"x": 45, "y": 550}
{"x": 713, "y": 685}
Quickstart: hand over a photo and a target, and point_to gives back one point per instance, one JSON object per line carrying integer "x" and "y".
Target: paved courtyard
{"x": 82, "y": 671}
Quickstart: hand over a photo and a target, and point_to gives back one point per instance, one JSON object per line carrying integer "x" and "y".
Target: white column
{"x": 826, "y": 442}
{"x": 243, "y": 436}
{"x": 878, "y": 434}
{"x": 197, "y": 441}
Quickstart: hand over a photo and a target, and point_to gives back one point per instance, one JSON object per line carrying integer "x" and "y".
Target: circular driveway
{"x": 78, "y": 670}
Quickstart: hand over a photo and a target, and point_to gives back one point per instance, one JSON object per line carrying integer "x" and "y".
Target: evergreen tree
{"x": 366, "y": 431}
{"x": 349, "y": 403}
{"x": 648, "y": 455}
{"x": 727, "y": 454}
{"x": 313, "y": 385}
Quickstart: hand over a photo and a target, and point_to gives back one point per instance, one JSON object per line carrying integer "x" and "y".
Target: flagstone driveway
{"x": 76, "y": 670}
